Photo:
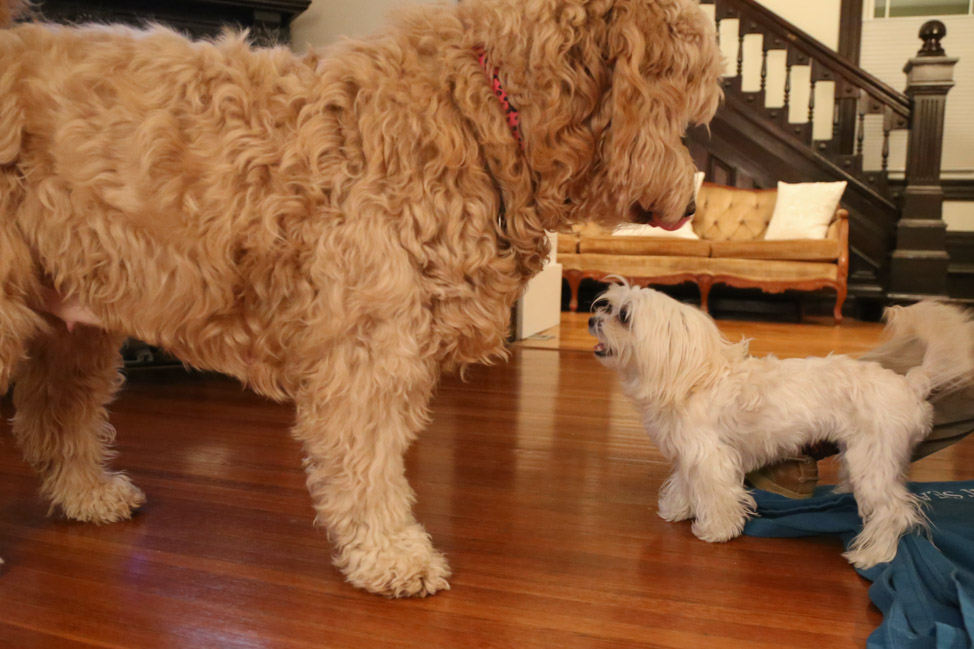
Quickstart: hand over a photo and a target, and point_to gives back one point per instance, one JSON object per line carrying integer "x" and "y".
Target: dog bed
{"x": 926, "y": 594}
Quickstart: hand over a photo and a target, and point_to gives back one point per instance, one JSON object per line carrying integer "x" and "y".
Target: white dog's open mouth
{"x": 602, "y": 351}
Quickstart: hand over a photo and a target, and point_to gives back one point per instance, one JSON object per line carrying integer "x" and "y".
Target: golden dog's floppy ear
{"x": 566, "y": 82}
{"x": 664, "y": 74}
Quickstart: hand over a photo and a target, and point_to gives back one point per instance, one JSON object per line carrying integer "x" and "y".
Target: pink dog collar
{"x": 493, "y": 74}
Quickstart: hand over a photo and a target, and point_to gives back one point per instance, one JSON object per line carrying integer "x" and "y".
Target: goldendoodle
{"x": 334, "y": 229}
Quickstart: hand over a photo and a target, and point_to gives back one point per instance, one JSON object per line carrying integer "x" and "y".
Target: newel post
{"x": 919, "y": 263}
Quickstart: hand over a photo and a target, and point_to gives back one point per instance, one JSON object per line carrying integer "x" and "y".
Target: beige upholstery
{"x": 732, "y": 214}
{"x": 731, "y": 223}
{"x": 798, "y": 250}
{"x": 567, "y": 243}
{"x": 653, "y": 266}
{"x": 611, "y": 245}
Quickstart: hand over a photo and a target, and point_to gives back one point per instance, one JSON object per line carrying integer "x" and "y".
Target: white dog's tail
{"x": 932, "y": 343}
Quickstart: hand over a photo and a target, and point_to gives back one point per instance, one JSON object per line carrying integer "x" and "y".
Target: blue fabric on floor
{"x": 926, "y": 593}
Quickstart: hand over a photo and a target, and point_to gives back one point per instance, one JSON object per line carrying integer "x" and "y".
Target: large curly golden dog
{"x": 334, "y": 229}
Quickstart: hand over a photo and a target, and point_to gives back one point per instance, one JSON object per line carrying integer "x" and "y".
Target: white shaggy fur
{"x": 717, "y": 413}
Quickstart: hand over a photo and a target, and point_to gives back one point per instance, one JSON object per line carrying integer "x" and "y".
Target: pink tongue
{"x": 600, "y": 347}
{"x": 670, "y": 228}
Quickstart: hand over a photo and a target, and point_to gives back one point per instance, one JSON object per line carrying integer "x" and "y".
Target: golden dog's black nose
{"x": 637, "y": 214}
{"x": 691, "y": 208}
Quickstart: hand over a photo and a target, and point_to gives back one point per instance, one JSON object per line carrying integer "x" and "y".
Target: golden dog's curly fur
{"x": 324, "y": 228}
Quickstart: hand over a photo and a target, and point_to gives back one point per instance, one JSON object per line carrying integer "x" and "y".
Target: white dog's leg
{"x": 674, "y": 499}
{"x": 720, "y": 502}
{"x": 843, "y": 486}
{"x": 355, "y": 443}
{"x": 62, "y": 427}
{"x": 877, "y": 462}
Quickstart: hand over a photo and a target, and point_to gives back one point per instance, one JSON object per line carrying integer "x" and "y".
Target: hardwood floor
{"x": 534, "y": 477}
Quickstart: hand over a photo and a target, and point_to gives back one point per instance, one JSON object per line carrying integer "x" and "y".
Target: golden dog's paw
{"x": 406, "y": 565}
{"x": 112, "y": 498}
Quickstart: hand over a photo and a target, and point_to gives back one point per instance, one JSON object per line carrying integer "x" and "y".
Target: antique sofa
{"x": 731, "y": 249}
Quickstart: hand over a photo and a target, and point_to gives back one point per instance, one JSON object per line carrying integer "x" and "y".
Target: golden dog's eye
{"x": 624, "y": 315}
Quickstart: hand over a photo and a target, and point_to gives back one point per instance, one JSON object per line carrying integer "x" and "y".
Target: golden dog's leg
{"x": 17, "y": 324}
{"x": 356, "y": 424}
{"x": 18, "y": 321}
{"x": 62, "y": 426}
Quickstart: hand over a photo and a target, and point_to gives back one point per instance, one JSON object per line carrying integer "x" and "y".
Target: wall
{"x": 819, "y": 18}
{"x": 887, "y": 44}
{"x": 326, "y": 21}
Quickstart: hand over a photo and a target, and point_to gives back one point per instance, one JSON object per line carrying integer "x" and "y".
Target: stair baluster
{"x": 786, "y": 110}
{"x": 861, "y": 132}
{"x": 753, "y": 133}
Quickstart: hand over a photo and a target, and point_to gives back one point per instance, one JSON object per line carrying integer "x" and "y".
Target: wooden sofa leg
{"x": 840, "y": 295}
{"x": 574, "y": 279}
{"x": 705, "y": 284}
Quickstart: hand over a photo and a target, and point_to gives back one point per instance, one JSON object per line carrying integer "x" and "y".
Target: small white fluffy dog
{"x": 716, "y": 413}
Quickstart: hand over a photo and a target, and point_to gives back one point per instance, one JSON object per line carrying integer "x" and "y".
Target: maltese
{"x": 717, "y": 413}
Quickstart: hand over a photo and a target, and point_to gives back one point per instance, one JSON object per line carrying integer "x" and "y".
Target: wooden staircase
{"x": 816, "y": 128}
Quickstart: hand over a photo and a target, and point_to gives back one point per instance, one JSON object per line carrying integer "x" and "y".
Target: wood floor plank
{"x": 534, "y": 477}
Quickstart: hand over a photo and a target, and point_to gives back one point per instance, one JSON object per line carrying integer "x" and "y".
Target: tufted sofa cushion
{"x": 568, "y": 243}
{"x": 732, "y": 249}
{"x": 599, "y": 240}
{"x": 757, "y": 270}
{"x": 732, "y": 214}
{"x": 785, "y": 250}
{"x": 644, "y": 246}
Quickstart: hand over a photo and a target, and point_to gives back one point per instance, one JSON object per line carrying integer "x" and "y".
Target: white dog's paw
{"x": 872, "y": 546}
{"x": 842, "y": 487}
{"x": 108, "y": 500}
{"x": 406, "y": 565}
{"x": 718, "y": 531}
{"x": 868, "y": 556}
{"x": 674, "y": 510}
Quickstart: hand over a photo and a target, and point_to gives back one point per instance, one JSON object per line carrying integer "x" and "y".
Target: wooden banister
{"x": 760, "y": 139}
{"x": 757, "y": 19}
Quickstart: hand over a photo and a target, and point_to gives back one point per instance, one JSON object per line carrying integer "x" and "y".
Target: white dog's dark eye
{"x": 624, "y": 315}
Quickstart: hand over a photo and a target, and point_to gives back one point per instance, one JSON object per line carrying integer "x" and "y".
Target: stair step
{"x": 850, "y": 163}
{"x": 776, "y": 115}
{"x": 755, "y": 99}
{"x": 801, "y": 132}
{"x": 732, "y": 85}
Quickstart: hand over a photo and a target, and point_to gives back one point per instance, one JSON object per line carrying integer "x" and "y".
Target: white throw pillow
{"x": 685, "y": 231}
{"x": 804, "y": 210}
{"x": 697, "y": 183}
